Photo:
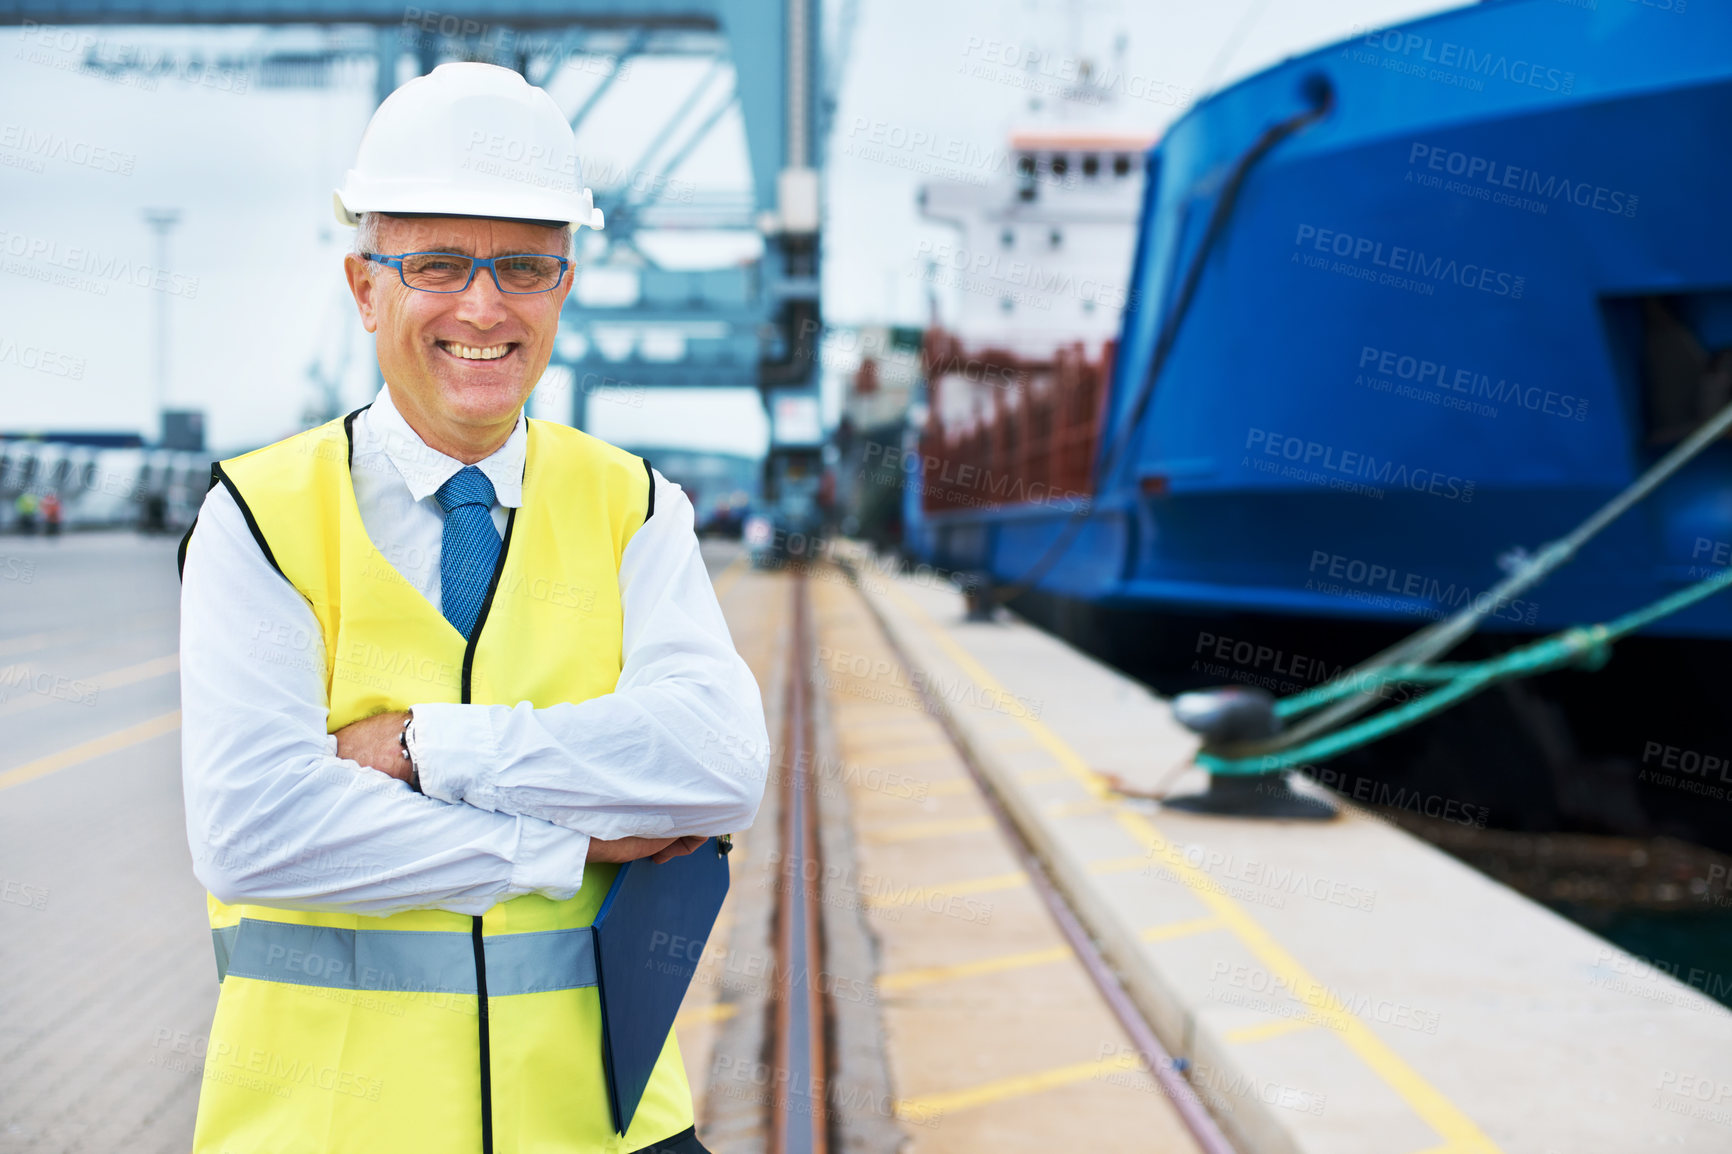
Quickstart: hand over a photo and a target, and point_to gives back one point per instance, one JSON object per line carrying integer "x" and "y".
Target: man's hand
{"x": 657, "y": 849}
{"x": 373, "y": 741}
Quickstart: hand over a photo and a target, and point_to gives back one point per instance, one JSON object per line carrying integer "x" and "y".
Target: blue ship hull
{"x": 1449, "y": 319}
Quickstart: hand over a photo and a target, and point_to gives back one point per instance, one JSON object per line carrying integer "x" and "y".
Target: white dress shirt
{"x": 512, "y": 793}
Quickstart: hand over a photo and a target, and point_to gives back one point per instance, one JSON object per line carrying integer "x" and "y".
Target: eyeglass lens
{"x": 449, "y": 272}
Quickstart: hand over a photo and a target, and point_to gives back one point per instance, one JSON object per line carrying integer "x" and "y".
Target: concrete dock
{"x": 1337, "y": 987}
{"x": 1330, "y": 988}
{"x": 107, "y": 983}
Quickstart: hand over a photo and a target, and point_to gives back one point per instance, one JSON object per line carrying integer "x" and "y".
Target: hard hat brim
{"x": 351, "y": 218}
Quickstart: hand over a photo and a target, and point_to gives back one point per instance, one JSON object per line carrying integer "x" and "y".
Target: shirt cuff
{"x": 550, "y": 859}
{"x": 454, "y": 752}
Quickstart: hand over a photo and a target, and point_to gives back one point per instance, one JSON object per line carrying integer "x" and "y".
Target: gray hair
{"x": 367, "y": 235}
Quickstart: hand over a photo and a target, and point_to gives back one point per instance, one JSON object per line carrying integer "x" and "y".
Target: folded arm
{"x": 679, "y": 748}
{"x": 274, "y": 816}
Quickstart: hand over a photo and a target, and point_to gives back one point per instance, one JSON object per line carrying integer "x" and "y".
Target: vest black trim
{"x": 252, "y": 523}
{"x": 650, "y": 511}
{"x": 186, "y": 538}
{"x": 482, "y": 1035}
{"x": 486, "y": 604}
{"x": 349, "y": 433}
{"x": 180, "y": 554}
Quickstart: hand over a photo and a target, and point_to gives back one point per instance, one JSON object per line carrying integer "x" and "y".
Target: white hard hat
{"x": 469, "y": 139}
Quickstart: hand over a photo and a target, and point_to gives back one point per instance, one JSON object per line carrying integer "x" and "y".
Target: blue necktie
{"x": 469, "y": 548}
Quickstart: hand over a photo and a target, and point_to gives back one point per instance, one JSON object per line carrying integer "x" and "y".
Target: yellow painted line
{"x": 1120, "y": 865}
{"x": 866, "y": 738}
{"x": 878, "y": 716}
{"x": 914, "y": 830}
{"x": 1459, "y": 1132}
{"x": 25, "y": 642}
{"x": 1088, "y": 807}
{"x": 1422, "y": 1097}
{"x": 898, "y": 754}
{"x": 1017, "y": 743}
{"x": 143, "y": 671}
{"x": 113, "y": 679}
{"x": 951, "y": 787}
{"x": 729, "y": 576}
{"x": 18, "y": 678}
{"x": 983, "y": 885}
{"x": 906, "y": 978}
{"x": 1173, "y": 930}
{"x": 700, "y": 1015}
{"x": 28, "y": 641}
{"x": 1042, "y": 776}
{"x": 930, "y": 1105}
{"x": 1262, "y": 1032}
{"x": 1067, "y": 758}
{"x": 97, "y": 747}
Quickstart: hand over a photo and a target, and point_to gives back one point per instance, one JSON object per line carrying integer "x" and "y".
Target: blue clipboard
{"x": 649, "y": 937}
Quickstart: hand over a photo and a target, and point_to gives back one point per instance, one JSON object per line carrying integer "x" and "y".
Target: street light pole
{"x": 162, "y": 221}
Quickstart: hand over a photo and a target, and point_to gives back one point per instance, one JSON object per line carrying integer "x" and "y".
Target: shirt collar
{"x": 424, "y": 469}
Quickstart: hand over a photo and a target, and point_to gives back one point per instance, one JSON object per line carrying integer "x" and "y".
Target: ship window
{"x": 1006, "y": 304}
{"x": 1686, "y": 379}
{"x": 1007, "y": 238}
{"x": 1055, "y": 238}
{"x": 1025, "y": 164}
{"x": 1060, "y": 165}
{"x": 1091, "y": 165}
{"x": 1121, "y": 165}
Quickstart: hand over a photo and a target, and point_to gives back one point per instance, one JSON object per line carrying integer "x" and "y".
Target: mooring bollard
{"x": 1230, "y": 716}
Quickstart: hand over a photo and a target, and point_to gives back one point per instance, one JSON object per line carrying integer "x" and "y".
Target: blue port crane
{"x": 751, "y": 325}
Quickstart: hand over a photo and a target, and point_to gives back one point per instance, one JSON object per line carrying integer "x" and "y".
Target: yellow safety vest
{"x": 342, "y": 1032}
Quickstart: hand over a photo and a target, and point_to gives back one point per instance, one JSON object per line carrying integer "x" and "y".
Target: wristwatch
{"x": 403, "y": 747}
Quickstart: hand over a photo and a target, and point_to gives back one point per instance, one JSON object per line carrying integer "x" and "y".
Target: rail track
{"x": 801, "y": 1043}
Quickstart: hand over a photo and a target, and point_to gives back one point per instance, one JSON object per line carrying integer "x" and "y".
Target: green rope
{"x": 1437, "y": 639}
{"x": 1580, "y": 646}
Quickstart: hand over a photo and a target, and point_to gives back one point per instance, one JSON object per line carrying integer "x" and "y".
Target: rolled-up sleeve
{"x": 274, "y": 817}
{"x": 678, "y": 748}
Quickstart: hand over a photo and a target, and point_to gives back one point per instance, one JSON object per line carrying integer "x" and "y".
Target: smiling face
{"x": 460, "y": 365}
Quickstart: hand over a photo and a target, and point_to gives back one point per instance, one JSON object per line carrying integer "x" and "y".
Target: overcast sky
{"x": 255, "y": 290}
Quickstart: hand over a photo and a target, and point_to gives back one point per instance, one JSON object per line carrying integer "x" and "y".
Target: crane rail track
{"x": 801, "y": 1019}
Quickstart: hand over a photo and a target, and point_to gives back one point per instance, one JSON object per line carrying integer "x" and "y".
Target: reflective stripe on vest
{"x": 409, "y": 961}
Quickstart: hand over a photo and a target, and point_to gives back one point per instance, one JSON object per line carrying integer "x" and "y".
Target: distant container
{"x": 183, "y": 430}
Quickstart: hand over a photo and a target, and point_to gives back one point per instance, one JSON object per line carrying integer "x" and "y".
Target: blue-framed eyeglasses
{"x": 450, "y": 272}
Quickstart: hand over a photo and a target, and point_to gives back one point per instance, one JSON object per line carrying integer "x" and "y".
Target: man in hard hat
{"x": 441, "y": 668}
